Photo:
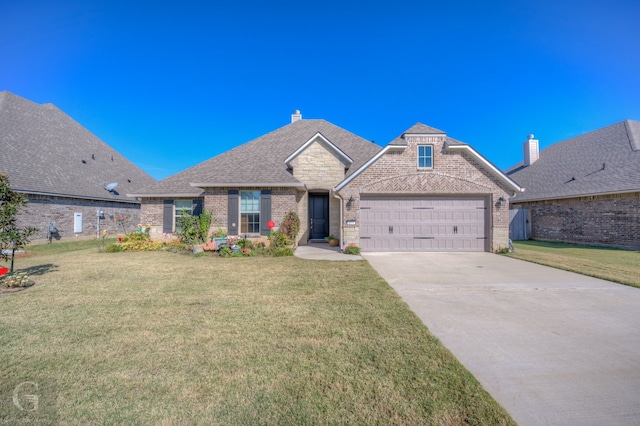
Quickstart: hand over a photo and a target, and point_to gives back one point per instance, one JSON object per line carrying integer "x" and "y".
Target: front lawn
{"x": 621, "y": 266}
{"x": 164, "y": 338}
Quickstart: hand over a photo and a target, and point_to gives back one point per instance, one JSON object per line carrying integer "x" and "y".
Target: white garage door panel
{"x": 422, "y": 224}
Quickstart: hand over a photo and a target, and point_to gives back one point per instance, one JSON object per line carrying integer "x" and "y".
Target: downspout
{"x": 335, "y": 194}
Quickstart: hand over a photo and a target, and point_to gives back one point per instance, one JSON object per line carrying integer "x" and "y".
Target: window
{"x": 250, "y": 212}
{"x": 181, "y": 208}
{"x": 425, "y": 156}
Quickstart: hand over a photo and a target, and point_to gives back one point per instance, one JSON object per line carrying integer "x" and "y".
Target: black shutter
{"x": 233, "y": 215}
{"x": 167, "y": 216}
{"x": 197, "y": 207}
{"x": 265, "y": 211}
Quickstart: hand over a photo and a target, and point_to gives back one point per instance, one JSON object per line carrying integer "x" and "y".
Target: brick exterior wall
{"x": 396, "y": 172}
{"x": 606, "y": 220}
{"x": 283, "y": 200}
{"x": 43, "y": 209}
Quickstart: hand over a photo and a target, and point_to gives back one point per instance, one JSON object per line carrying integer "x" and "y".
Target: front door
{"x": 318, "y": 216}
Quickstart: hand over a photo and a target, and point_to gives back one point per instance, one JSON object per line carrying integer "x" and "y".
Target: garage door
{"x": 423, "y": 224}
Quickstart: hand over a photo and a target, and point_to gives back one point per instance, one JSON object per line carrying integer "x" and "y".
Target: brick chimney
{"x": 297, "y": 115}
{"x": 531, "y": 151}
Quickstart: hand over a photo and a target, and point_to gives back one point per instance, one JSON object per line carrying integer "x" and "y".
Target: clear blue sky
{"x": 172, "y": 84}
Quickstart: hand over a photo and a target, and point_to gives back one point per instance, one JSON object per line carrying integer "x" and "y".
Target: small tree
{"x": 11, "y": 237}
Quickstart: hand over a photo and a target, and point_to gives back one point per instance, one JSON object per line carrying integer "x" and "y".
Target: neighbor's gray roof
{"x": 42, "y": 148}
{"x": 603, "y": 161}
{"x": 262, "y": 160}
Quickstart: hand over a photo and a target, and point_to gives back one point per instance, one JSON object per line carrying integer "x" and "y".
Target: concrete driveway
{"x": 552, "y": 347}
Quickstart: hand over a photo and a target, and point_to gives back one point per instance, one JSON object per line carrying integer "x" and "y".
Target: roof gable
{"x": 262, "y": 161}
{"x": 602, "y": 161}
{"x": 318, "y": 138}
{"x": 44, "y": 151}
{"x": 400, "y": 143}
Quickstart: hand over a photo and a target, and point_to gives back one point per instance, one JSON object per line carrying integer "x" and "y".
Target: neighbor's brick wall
{"x": 396, "y": 172}
{"x": 607, "y": 220}
{"x": 42, "y": 209}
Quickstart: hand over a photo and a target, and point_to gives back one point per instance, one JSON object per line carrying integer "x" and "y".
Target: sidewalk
{"x": 322, "y": 251}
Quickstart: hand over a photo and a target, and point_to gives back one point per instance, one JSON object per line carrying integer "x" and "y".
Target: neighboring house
{"x": 422, "y": 192}
{"x": 585, "y": 189}
{"x": 63, "y": 169}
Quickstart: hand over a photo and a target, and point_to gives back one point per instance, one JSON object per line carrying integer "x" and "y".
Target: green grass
{"x": 621, "y": 266}
{"x": 163, "y": 338}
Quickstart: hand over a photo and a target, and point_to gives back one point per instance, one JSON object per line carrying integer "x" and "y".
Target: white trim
{"x": 249, "y": 185}
{"x": 367, "y": 164}
{"x": 496, "y": 172}
{"x": 304, "y": 146}
{"x": 418, "y": 156}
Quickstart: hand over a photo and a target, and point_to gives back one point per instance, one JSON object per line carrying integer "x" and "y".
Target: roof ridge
{"x": 633, "y": 135}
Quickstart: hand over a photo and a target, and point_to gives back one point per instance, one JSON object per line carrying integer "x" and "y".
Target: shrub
{"x": 177, "y": 247}
{"x": 114, "y": 248}
{"x": 195, "y": 229}
{"x": 141, "y": 245}
{"x": 136, "y": 236}
{"x": 244, "y": 243}
{"x": 352, "y": 249}
{"x": 290, "y": 225}
{"x": 278, "y": 239}
{"x": 225, "y": 251}
{"x": 280, "y": 251}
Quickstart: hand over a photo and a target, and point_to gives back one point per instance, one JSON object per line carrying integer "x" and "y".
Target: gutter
{"x": 566, "y": 197}
{"x": 249, "y": 185}
{"x": 166, "y": 195}
{"x": 81, "y": 197}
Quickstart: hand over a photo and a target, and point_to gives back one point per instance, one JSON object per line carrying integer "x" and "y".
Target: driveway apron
{"x": 552, "y": 347}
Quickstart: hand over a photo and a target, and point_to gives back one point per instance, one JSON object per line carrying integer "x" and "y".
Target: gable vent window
{"x": 250, "y": 212}
{"x": 425, "y": 156}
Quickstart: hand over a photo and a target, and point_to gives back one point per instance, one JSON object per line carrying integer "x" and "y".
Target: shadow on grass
{"x": 40, "y": 269}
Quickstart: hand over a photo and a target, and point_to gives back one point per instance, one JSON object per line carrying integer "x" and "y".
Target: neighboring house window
{"x": 250, "y": 212}
{"x": 182, "y": 207}
{"x": 425, "y": 156}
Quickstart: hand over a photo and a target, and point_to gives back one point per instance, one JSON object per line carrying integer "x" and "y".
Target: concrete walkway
{"x": 552, "y": 347}
{"x": 322, "y": 251}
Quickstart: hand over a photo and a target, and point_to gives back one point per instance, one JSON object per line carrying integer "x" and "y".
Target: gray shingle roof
{"x": 262, "y": 160}
{"x": 43, "y": 149}
{"x": 603, "y": 161}
{"x": 418, "y": 128}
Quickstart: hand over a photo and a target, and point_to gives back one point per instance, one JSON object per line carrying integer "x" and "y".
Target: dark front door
{"x": 318, "y": 216}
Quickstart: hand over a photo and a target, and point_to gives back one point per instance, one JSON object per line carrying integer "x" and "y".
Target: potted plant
{"x": 332, "y": 240}
{"x": 219, "y": 236}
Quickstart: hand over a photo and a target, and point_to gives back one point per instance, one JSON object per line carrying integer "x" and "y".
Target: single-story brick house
{"x": 585, "y": 189}
{"x": 63, "y": 169}
{"x": 422, "y": 192}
